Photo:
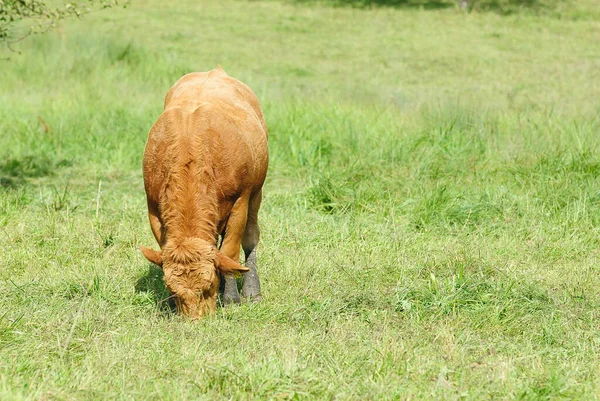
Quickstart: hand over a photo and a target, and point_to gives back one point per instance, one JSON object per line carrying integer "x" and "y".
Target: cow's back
{"x": 217, "y": 120}
{"x": 214, "y": 86}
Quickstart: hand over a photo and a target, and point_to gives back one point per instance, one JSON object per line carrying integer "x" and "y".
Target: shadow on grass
{"x": 152, "y": 282}
{"x": 507, "y": 7}
{"x": 504, "y": 7}
{"x": 15, "y": 172}
{"x": 434, "y": 4}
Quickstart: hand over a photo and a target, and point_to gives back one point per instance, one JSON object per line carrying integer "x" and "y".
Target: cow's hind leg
{"x": 230, "y": 246}
{"x": 251, "y": 285}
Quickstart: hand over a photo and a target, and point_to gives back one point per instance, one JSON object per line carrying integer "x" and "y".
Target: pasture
{"x": 430, "y": 224}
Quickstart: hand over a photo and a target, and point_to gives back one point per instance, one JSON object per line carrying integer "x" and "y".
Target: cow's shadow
{"x": 152, "y": 282}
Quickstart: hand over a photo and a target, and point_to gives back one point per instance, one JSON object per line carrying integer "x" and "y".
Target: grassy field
{"x": 431, "y": 214}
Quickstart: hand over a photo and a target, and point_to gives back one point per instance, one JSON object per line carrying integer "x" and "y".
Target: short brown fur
{"x": 204, "y": 164}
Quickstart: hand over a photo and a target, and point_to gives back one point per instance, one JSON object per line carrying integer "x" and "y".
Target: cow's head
{"x": 190, "y": 272}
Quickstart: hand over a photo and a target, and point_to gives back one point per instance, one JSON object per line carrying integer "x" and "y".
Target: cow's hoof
{"x": 254, "y": 299}
{"x": 229, "y": 301}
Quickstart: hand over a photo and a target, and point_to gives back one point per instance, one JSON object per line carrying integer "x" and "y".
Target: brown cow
{"x": 204, "y": 166}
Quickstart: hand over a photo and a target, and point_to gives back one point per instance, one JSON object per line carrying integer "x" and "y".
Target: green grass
{"x": 430, "y": 222}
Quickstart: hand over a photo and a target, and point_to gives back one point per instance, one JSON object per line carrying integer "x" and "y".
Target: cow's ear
{"x": 226, "y": 265}
{"x": 152, "y": 255}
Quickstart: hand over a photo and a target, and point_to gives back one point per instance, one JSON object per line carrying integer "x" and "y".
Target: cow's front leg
{"x": 251, "y": 286}
{"x": 232, "y": 238}
{"x": 155, "y": 223}
{"x": 231, "y": 295}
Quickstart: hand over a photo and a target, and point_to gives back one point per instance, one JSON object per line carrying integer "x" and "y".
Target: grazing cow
{"x": 204, "y": 167}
